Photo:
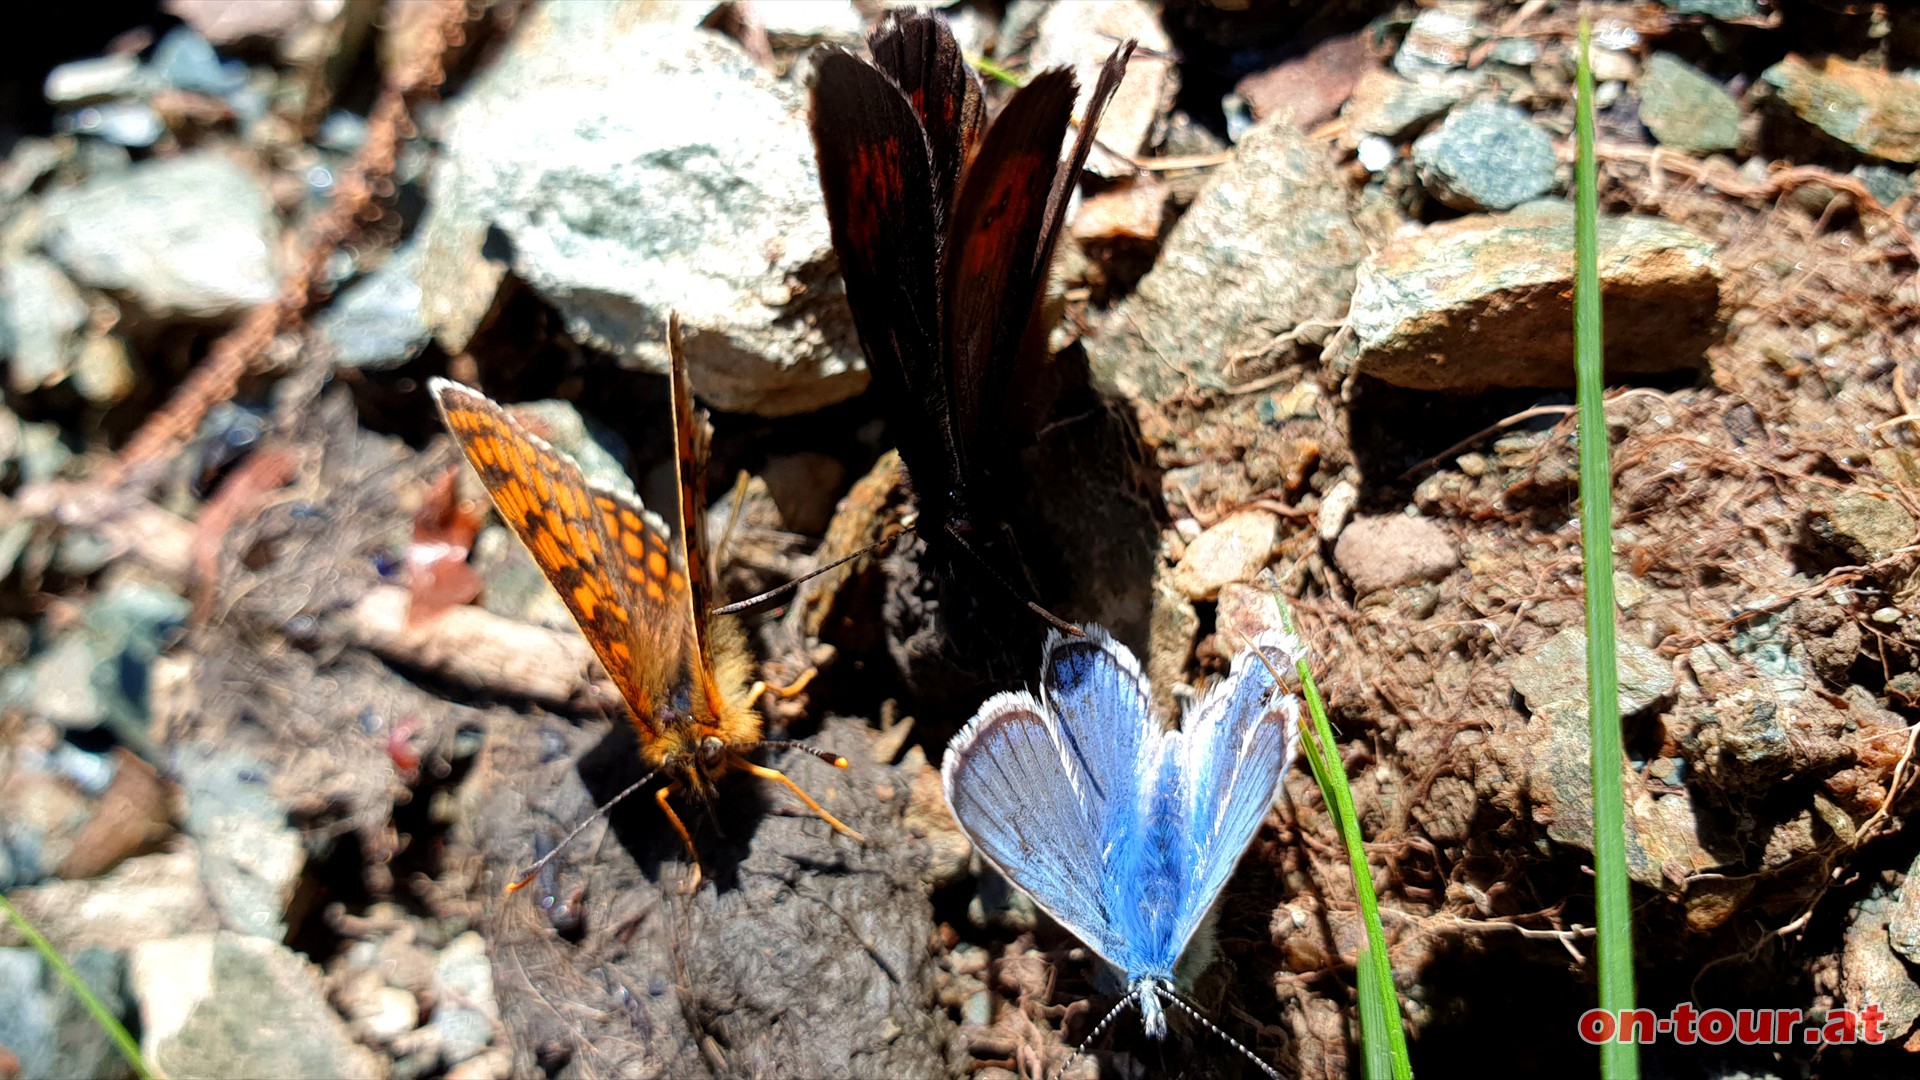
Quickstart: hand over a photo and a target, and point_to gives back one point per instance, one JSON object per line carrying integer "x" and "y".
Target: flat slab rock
{"x": 1487, "y": 301}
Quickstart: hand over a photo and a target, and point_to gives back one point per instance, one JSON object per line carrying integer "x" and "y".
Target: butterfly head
{"x": 704, "y": 735}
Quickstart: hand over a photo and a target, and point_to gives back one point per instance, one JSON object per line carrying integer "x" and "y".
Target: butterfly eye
{"x": 711, "y": 751}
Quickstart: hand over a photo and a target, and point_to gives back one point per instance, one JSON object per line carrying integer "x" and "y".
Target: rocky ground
{"x": 282, "y": 707}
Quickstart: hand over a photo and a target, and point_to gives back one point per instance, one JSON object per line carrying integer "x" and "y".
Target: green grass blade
{"x": 1376, "y": 1048}
{"x": 1612, "y": 894}
{"x": 101, "y": 1014}
{"x": 995, "y": 72}
{"x": 1383, "y": 1044}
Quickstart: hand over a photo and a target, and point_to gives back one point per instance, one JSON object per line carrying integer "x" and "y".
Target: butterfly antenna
{"x": 827, "y": 756}
{"x": 1179, "y": 1002}
{"x": 754, "y": 601}
{"x": 1094, "y": 1035}
{"x": 1053, "y": 620}
{"x": 541, "y": 863}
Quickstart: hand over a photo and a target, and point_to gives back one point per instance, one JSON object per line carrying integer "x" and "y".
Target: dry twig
{"x": 240, "y": 349}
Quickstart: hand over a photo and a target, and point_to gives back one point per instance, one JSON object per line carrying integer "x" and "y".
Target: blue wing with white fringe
{"x": 1123, "y": 831}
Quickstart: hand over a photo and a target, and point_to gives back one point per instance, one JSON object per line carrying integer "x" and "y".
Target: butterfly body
{"x": 945, "y": 227}
{"x": 641, "y": 597}
{"x": 1123, "y": 830}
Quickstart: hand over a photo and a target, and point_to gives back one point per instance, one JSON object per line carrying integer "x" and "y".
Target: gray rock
{"x": 15, "y": 532}
{"x": 1717, "y": 9}
{"x": 1663, "y": 848}
{"x": 1082, "y": 36}
{"x": 1686, "y": 108}
{"x": 99, "y": 673}
{"x": 64, "y": 694}
{"x": 376, "y": 323}
{"x": 186, "y": 61}
{"x": 1866, "y": 528}
{"x": 129, "y": 626}
{"x": 1871, "y": 973}
{"x": 465, "y": 1014}
{"x": 1386, "y": 105}
{"x": 43, "y": 314}
{"x": 121, "y": 123}
{"x": 1440, "y": 39}
{"x": 145, "y": 898}
{"x": 193, "y": 235}
{"x": 1387, "y": 552}
{"x": 1744, "y": 741}
{"x": 1518, "y": 52}
{"x": 1424, "y": 311}
{"x": 812, "y": 22}
{"x": 1266, "y": 246}
{"x": 1887, "y": 185}
{"x": 1557, "y": 672}
{"x": 635, "y": 169}
{"x": 41, "y": 817}
{"x": 1486, "y": 156}
{"x": 45, "y": 1025}
{"x": 250, "y": 856}
{"x": 96, "y": 78}
{"x": 40, "y": 451}
{"x": 1903, "y": 922}
{"x": 225, "y": 1004}
{"x": 1874, "y": 112}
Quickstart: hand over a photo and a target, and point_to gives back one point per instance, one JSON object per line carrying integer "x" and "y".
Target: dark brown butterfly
{"x": 945, "y": 226}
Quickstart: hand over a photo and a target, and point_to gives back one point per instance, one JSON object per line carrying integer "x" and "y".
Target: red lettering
{"x": 1754, "y": 1025}
{"x": 1870, "y": 1018}
{"x": 1683, "y": 1021}
{"x": 1596, "y": 1026}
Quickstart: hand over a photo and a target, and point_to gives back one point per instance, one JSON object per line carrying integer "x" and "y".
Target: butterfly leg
{"x": 693, "y": 857}
{"x": 777, "y": 776}
{"x": 760, "y": 685}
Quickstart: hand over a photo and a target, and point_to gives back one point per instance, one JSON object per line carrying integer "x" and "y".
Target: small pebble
{"x": 1376, "y": 154}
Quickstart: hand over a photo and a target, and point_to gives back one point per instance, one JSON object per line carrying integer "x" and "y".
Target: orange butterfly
{"x": 641, "y": 599}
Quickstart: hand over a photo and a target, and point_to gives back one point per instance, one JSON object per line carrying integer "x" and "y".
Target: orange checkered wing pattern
{"x": 612, "y": 562}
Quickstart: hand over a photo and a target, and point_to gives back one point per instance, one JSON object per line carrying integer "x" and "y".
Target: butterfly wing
{"x": 877, "y": 179}
{"x": 1010, "y": 784}
{"x": 1046, "y": 787}
{"x": 601, "y": 550}
{"x": 918, "y": 52}
{"x": 1093, "y": 688}
{"x": 690, "y": 476}
{"x": 1005, "y": 226}
{"x": 1064, "y": 179}
{"x": 1232, "y": 751}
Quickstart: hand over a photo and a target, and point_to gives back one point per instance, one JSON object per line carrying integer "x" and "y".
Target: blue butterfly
{"x": 1123, "y": 830}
